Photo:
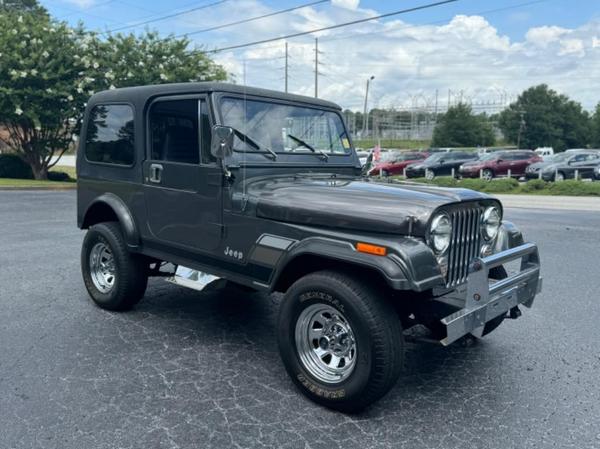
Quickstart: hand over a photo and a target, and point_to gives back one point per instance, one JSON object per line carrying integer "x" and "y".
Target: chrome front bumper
{"x": 485, "y": 301}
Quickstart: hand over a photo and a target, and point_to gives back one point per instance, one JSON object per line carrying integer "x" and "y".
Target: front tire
{"x": 340, "y": 341}
{"x": 114, "y": 278}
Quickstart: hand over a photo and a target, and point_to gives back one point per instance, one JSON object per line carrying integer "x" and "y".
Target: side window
{"x": 205, "y": 134}
{"x": 174, "y": 133}
{"x": 109, "y": 137}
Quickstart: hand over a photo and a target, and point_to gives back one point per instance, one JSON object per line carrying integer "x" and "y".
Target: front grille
{"x": 465, "y": 244}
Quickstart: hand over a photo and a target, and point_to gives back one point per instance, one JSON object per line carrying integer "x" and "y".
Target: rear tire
{"x": 340, "y": 341}
{"x": 115, "y": 278}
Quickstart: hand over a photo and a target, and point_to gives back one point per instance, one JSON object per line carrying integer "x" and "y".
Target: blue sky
{"x": 484, "y": 48}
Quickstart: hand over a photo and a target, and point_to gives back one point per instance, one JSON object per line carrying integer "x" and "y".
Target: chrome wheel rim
{"x": 429, "y": 175}
{"x": 325, "y": 343}
{"x": 560, "y": 177}
{"x": 102, "y": 267}
{"x": 487, "y": 175}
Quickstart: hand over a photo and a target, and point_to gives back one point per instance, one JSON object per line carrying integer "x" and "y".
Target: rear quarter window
{"x": 109, "y": 136}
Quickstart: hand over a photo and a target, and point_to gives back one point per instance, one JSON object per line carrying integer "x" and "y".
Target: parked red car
{"x": 394, "y": 162}
{"x": 499, "y": 163}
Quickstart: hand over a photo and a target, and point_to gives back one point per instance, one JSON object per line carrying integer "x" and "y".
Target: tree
{"x": 541, "y": 117}
{"x": 459, "y": 127}
{"x": 22, "y": 5}
{"x": 49, "y": 70}
{"x": 595, "y": 127}
{"x": 39, "y": 69}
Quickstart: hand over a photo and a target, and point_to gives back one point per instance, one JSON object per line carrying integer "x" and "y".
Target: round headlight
{"x": 490, "y": 223}
{"x": 440, "y": 233}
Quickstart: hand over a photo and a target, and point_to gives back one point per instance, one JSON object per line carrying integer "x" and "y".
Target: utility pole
{"x": 286, "y": 67}
{"x": 365, "y": 117}
{"x": 316, "y": 67}
{"x": 521, "y": 128}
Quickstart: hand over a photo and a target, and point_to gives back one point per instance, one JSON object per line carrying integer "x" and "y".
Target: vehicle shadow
{"x": 244, "y": 324}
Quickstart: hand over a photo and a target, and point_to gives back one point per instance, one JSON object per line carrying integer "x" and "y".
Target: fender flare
{"x": 509, "y": 236}
{"x": 125, "y": 217}
{"x": 395, "y": 271}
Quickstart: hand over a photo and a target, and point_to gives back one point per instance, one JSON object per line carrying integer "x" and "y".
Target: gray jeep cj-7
{"x": 207, "y": 181}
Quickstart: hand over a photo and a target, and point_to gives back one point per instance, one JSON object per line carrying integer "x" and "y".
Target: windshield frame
{"x": 217, "y": 106}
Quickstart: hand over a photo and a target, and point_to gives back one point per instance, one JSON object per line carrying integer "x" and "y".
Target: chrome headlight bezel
{"x": 490, "y": 223}
{"x": 440, "y": 233}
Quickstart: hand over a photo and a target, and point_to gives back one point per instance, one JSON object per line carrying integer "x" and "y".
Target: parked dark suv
{"x": 565, "y": 165}
{"x": 440, "y": 164}
{"x": 262, "y": 189}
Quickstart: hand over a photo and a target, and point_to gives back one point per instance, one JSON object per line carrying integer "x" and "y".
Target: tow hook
{"x": 514, "y": 313}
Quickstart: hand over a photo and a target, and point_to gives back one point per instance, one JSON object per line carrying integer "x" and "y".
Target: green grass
{"x": 6, "y": 183}
{"x": 365, "y": 144}
{"x": 512, "y": 186}
{"x": 33, "y": 184}
{"x": 68, "y": 170}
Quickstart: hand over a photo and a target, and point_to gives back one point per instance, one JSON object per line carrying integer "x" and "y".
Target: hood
{"x": 353, "y": 204}
{"x": 536, "y": 166}
{"x": 473, "y": 163}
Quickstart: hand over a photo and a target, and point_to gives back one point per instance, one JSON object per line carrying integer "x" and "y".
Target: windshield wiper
{"x": 309, "y": 146}
{"x": 253, "y": 143}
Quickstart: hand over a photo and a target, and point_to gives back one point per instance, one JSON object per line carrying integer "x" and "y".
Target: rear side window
{"x": 174, "y": 131}
{"x": 110, "y": 135}
{"x": 525, "y": 155}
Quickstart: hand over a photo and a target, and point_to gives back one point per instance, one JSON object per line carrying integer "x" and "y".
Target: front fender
{"x": 509, "y": 236}
{"x": 409, "y": 265}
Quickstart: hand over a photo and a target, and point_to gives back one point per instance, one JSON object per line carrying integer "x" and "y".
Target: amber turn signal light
{"x": 371, "y": 249}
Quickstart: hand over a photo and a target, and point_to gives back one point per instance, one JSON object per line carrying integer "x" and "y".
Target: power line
{"x": 339, "y": 25}
{"x": 168, "y": 16}
{"x": 252, "y": 19}
{"x": 435, "y": 22}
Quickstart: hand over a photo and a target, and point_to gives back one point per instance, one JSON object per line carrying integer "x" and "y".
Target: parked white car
{"x": 545, "y": 152}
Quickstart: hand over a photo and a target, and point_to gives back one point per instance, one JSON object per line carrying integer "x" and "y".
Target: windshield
{"x": 436, "y": 157}
{"x": 285, "y": 128}
{"x": 390, "y": 157}
{"x": 561, "y": 157}
{"x": 488, "y": 157}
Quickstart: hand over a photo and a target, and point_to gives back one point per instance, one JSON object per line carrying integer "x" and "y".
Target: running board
{"x": 196, "y": 280}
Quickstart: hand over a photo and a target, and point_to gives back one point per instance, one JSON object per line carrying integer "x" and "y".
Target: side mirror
{"x": 222, "y": 141}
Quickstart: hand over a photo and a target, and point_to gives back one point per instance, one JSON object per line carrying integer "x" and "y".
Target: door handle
{"x": 155, "y": 173}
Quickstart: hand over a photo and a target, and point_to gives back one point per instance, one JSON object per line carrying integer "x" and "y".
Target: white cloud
{"x": 410, "y": 62}
{"x": 543, "y": 36}
{"x": 348, "y": 4}
{"x": 571, "y": 47}
{"x": 82, "y": 4}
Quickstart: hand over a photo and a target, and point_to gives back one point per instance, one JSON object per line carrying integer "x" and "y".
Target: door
{"x": 584, "y": 164}
{"x": 519, "y": 163}
{"x": 182, "y": 182}
{"x": 502, "y": 164}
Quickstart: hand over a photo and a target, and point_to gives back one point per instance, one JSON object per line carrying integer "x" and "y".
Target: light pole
{"x": 365, "y": 117}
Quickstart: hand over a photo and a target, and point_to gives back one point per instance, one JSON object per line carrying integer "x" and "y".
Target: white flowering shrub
{"x": 49, "y": 70}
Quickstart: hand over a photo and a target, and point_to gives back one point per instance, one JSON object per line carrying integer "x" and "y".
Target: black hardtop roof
{"x": 143, "y": 93}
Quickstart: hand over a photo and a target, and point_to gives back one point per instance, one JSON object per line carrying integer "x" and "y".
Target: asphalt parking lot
{"x": 201, "y": 370}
